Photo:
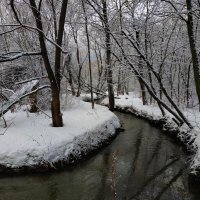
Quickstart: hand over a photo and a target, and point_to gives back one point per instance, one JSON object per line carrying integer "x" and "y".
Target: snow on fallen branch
{"x": 4, "y": 58}
{"x": 8, "y": 107}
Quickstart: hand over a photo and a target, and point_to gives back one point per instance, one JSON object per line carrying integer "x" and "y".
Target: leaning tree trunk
{"x": 180, "y": 116}
{"x": 150, "y": 67}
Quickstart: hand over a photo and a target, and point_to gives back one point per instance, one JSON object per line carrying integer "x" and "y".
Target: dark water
{"x": 141, "y": 164}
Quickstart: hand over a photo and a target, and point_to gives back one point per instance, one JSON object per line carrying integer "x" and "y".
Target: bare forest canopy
{"x": 150, "y": 47}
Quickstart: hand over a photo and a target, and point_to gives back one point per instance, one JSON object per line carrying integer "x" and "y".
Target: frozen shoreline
{"x": 31, "y": 142}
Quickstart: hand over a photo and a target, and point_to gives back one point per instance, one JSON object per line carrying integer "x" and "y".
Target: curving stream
{"x": 140, "y": 164}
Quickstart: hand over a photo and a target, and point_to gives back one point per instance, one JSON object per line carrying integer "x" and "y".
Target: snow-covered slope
{"x": 30, "y": 139}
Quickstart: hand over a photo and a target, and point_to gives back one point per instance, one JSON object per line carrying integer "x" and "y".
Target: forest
{"x": 147, "y": 46}
{"x": 140, "y": 57}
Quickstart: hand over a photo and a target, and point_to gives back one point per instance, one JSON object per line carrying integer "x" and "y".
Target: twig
{"x": 42, "y": 111}
{"x": 5, "y": 124}
{"x": 6, "y": 129}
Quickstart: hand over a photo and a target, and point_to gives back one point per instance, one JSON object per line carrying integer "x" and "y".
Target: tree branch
{"x": 22, "y": 97}
{"x": 14, "y": 29}
{"x": 29, "y": 80}
{"x": 174, "y": 7}
{"x": 4, "y": 58}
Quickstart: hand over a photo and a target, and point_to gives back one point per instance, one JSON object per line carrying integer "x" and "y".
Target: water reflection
{"x": 148, "y": 167}
{"x": 151, "y": 179}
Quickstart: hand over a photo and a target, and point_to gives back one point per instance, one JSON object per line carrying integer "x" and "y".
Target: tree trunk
{"x": 188, "y": 87}
{"x": 89, "y": 53}
{"x": 100, "y": 83}
{"x": 121, "y": 81}
{"x": 70, "y": 74}
{"x": 75, "y": 35}
{"x": 143, "y": 92}
{"x": 55, "y": 105}
{"x": 33, "y": 101}
{"x": 142, "y": 87}
{"x": 55, "y": 109}
{"x": 193, "y": 48}
{"x": 59, "y": 41}
{"x": 108, "y": 58}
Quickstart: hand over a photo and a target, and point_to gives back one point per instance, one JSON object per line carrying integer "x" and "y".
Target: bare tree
{"x": 54, "y": 76}
{"x": 102, "y": 11}
{"x": 89, "y": 51}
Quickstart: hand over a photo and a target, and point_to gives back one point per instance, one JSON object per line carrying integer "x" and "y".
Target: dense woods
{"x": 104, "y": 47}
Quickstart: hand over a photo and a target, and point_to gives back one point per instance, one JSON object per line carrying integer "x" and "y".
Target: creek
{"x": 141, "y": 163}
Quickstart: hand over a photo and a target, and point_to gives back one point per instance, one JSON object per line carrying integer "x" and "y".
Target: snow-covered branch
{"x": 8, "y": 107}
{"x": 29, "y": 80}
{"x": 4, "y": 58}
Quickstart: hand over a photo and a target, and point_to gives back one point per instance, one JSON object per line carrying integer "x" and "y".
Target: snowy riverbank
{"x": 190, "y": 138}
{"x": 29, "y": 140}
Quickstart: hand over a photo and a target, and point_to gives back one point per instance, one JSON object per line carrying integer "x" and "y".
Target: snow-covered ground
{"x": 30, "y": 140}
{"x": 152, "y": 112}
{"x": 87, "y": 96}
